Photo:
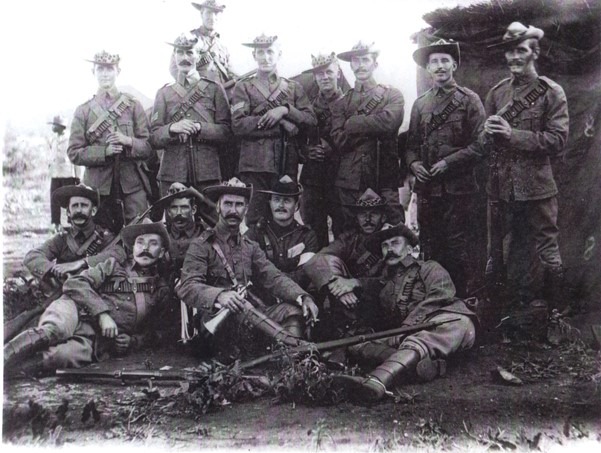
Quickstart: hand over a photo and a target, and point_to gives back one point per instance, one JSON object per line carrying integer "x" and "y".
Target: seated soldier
{"x": 287, "y": 243}
{"x": 109, "y": 308}
{"x": 221, "y": 263}
{"x": 82, "y": 245}
{"x": 347, "y": 258}
{"x": 408, "y": 292}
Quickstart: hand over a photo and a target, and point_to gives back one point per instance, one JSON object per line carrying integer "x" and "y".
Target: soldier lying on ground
{"x": 408, "y": 292}
{"x": 222, "y": 261}
{"x": 107, "y": 309}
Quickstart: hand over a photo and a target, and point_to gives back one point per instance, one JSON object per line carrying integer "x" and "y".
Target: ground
{"x": 557, "y": 405}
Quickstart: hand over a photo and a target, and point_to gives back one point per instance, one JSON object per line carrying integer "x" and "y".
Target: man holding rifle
{"x": 107, "y": 309}
{"x": 267, "y": 113}
{"x": 408, "y": 292}
{"x": 221, "y": 263}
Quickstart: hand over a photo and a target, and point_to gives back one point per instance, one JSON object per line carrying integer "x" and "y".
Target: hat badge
{"x": 103, "y": 57}
{"x": 322, "y": 60}
{"x": 264, "y": 39}
{"x": 185, "y": 41}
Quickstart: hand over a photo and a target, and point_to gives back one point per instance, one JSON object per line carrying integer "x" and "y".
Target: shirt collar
{"x": 365, "y": 86}
{"x": 112, "y": 92}
{"x": 224, "y": 233}
{"x": 271, "y": 78}
{"x": 447, "y": 88}
{"x": 87, "y": 230}
{"x": 188, "y": 231}
{"x": 525, "y": 79}
{"x": 193, "y": 77}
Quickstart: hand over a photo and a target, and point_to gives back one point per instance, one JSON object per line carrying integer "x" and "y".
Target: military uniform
{"x": 446, "y": 203}
{"x": 71, "y": 245}
{"x": 261, "y": 149}
{"x": 215, "y": 60}
{"x": 127, "y": 293}
{"x": 528, "y": 192}
{"x": 91, "y": 153}
{"x": 319, "y": 198}
{"x": 199, "y": 166}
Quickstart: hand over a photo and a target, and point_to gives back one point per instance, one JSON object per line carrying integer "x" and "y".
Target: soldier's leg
{"x": 76, "y": 352}
{"x": 289, "y": 316}
{"x": 430, "y": 226}
{"x": 58, "y": 323}
{"x": 134, "y": 203}
{"x": 314, "y": 212}
{"x": 334, "y": 210}
{"x": 347, "y": 197}
{"x": 259, "y": 202}
{"x": 394, "y": 210}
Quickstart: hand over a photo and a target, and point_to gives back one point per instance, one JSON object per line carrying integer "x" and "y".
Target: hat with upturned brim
{"x": 105, "y": 58}
{"x": 129, "y": 233}
{"x": 368, "y": 200}
{"x": 58, "y": 121}
{"x": 321, "y": 61}
{"x": 285, "y": 187}
{"x": 261, "y": 42}
{"x": 209, "y": 4}
{"x": 186, "y": 192}
{"x": 358, "y": 50}
{"x": 373, "y": 243}
{"x": 62, "y": 195}
{"x": 232, "y": 187}
{"x": 518, "y": 32}
{"x": 421, "y": 55}
{"x": 184, "y": 41}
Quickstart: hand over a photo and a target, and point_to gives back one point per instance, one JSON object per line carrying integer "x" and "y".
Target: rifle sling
{"x": 108, "y": 117}
{"x": 228, "y": 268}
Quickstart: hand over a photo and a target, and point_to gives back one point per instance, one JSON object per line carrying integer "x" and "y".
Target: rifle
{"x": 230, "y": 83}
{"x": 116, "y": 208}
{"x": 283, "y": 154}
{"x": 197, "y": 376}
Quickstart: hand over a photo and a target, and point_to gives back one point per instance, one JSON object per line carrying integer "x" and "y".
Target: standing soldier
{"x": 365, "y": 124}
{"x": 190, "y": 120}
{"x": 527, "y": 123}
{"x": 62, "y": 172}
{"x": 320, "y": 158}
{"x": 109, "y": 136}
{"x": 442, "y": 149}
{"x": 267, "y": 113}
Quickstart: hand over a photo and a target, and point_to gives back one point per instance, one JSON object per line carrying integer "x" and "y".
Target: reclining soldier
{"x": 107, "y": 309}
{"x": 287, "y": 243}
{"x": 408, "y": 292}
{"x": 222, "y": 262}
{"x": 82, "y": 245}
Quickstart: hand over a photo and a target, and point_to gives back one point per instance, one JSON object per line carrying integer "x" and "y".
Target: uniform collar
{"x": 525, "y": 79}
{"x": 281, "y": 231}
{"x": 365, "y": 86}
{"x": 112, "y": 92}
{"x": 447, "y": 88}
{"x": 271, "y": 78}
{"x": 400, "y": 268}
{"x": 189, "y": 231}
{"x": 86, "y": 230}
{"x": 329, "y": 97}
{"x": 224, "y": 233}
{"x": 193, "y": 77}
{"x": 203, "y": 31}
{"x": 133, "y": 269}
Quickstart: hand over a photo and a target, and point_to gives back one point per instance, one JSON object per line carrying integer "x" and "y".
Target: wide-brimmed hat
{"x": 285, "y": 187}
{"x": 184, "y": 41}
{"x": 358, "y": 50}
{"x": 518, "y": 32}
{"x": 373, "y": 243}
{"x": 129, "y": 233}
{"x": 420, "y": 56}
{"x": 103, "y": 57}
{"x": 232, "y": 187}
{"x": 368, "y": 200}
{"x": 186, "y": 192}
{"x": 261, "y": 42}
{"x": 321, "y": 61}
{"x": 209, "y": 4}
{"x": 58, "y": 121}
{"x": 62, "y": 195}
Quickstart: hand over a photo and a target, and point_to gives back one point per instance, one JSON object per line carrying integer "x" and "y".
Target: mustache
{"x": 233, "y": 216}
{"x": 185, "y": 63}
{"x": 145, "y": 254}
{"x": 391, "y": 255}
{"x": 518, "y": 62}
{"x": 179, "y": 218}
{"x": 79, "y": 216}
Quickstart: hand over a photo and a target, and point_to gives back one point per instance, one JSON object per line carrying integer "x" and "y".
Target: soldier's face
{"x": 148, "y": 249}
{"x": 370, "y": 220}
{"x": 186, "y": 59}
{"x": 327, "y": 78}
{"x": 232, "y": 209}
{"x": 363, "y": 66}
{"x": 521, "y": 58}
{"x": 106, "y": 75}
{"x": 80, "y": 211}
{"x": 209, "y": 18}
{"x": 283, "y": 209}
{"x": 267, "y": 59}
{"x": 394, "y": 250}
{"x": 181, "y": 212}
{"x": 441, "y": 66}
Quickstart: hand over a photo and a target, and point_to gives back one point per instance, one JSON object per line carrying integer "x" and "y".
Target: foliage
{"x": 19, "y": 295}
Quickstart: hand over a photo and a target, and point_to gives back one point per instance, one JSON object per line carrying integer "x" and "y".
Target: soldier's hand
{"x": 317, "y": 153}
{"x": 497, "y": 125}
{"x": 119, "y": 138}
{"x": 420, "y": 172}
{"x": 272, "y": 117}
{"x": 310, "y": 310}
{"x": 231, "y": 300}
{"x": 349, "y": 301}
{"x": 62, "y": 270}
{"x": 122, "y": 343}
{"x": 439, "y": 168}
{"x": 113, "y": 149}
{"x": 108, "y": 327}
{"x": 341, "y": 286}
{"x": 185, "y": 126}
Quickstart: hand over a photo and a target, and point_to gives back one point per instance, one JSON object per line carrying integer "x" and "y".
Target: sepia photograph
{"x": 317, "y": 225}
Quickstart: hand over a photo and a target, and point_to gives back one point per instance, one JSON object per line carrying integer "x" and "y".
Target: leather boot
{"x": 25, "y": 344}
{"x": 29, "y": 367}
{"x": 379, "y": 380}
{"x": 555, "y": 290}
{"x": 295, "y": 326}
{"x": 371, "y": 354}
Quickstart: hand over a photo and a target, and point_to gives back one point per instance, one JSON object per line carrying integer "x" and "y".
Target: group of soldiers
{"x": 231, "y": 235}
